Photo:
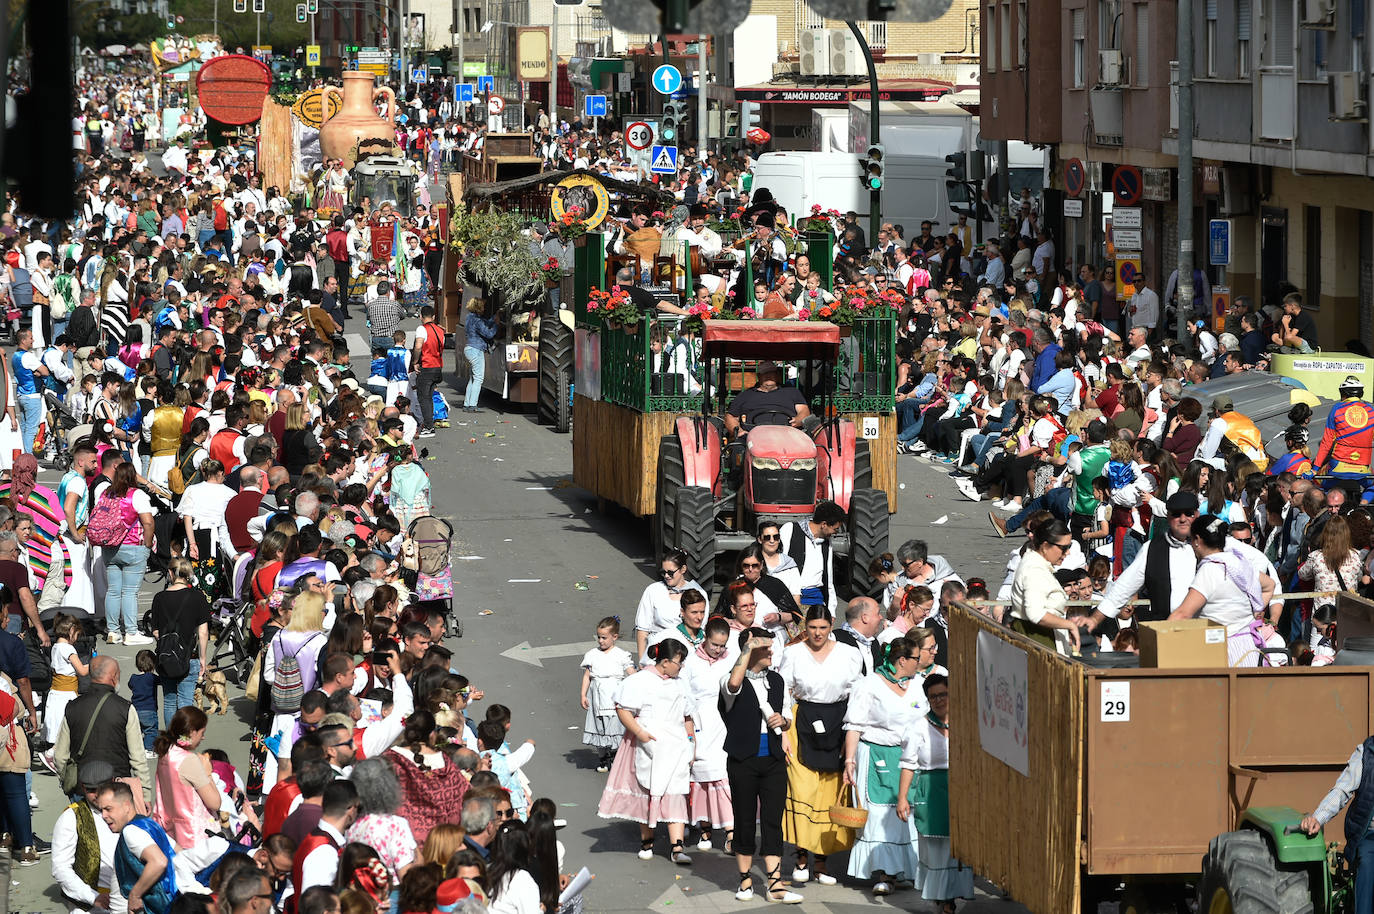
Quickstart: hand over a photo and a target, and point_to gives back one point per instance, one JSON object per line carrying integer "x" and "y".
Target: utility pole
{"x": 701, "y": 98}
{"x": 875, "y": 196}
{"x": 1185, "y": 170}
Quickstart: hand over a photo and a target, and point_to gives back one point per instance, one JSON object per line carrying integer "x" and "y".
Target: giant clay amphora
{"x": 356, "y": 119}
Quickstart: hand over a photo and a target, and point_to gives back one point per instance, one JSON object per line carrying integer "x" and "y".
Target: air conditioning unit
{"x": 815, "y": 52}
{"x": 1318, "y": 14}
{"x": 1344, "y": 95}
{"x": 845, "y": 59}
{"x": 1111, "y": 67}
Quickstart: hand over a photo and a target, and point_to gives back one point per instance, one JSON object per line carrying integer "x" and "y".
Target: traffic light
{"x": 240, "y": 6}
{"x": 956, "y": 177}
{"x": 731, "y": 131}
{"x": 300, "y": 12}
{"x": 312, "y": 7}
{"x": 259, "y": 6}
{"x": 875, "y": 164}
{"x": 670, "y": 125}
{"x": 748, "y": 116}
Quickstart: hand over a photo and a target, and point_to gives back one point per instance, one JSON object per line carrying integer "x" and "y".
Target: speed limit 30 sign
{"x": 639, "y": 135}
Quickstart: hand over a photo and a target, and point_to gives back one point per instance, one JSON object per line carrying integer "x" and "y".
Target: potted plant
{"x": 616, "y": 308}
{"x": 853, "y": 302}
{"x": 551, "y": 272}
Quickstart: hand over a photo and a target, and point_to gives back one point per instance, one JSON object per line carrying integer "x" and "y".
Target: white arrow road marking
{"x": 534, "y": 656}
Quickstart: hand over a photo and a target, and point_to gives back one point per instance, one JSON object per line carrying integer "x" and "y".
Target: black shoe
{"x": 43, "y": 847}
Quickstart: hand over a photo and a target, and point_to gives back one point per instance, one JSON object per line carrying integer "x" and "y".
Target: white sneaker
{"x": 918, "y": 447}
{"x": 114, "y": 638}
{"x": 967, "y": 488}
{"x": 826, "y": 879}
{"x": 137, "y": 639}
{"x": 801, "y": 876}
{"x": 33, "y": 801}
{"x": 703, "y": 844}
{"x": 882, "y": 888}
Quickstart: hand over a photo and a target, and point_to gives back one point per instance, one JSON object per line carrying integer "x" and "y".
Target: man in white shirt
{"x": 340, "y": 811}
{"x": 810, "y": 540}
{"x": 174, "y": 159}
{"x": 69, "y": 835}
{"x": 1144, "y": 305}
{"x": 1169, "y": 585}
{"x": 1042, "y": 261}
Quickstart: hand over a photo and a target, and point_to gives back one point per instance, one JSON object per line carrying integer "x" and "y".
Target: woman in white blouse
{"x": 1229, "y": 589}
{"x": 708, "y": 802}
{"x": 1037, "y": 599}
{"x": 883, "y": 707}
{"x": 659, "y": 605}
{"x": 925, "y": 759}
{"x": 510, "y": 872}
{"x": 820, "y": 672}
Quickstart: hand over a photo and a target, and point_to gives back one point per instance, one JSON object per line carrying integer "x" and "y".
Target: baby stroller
{"x": 427, "y": 554}
{"x": 61, "y": 423}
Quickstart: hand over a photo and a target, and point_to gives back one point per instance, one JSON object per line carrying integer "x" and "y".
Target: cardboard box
{"x": 1182, "y": 644}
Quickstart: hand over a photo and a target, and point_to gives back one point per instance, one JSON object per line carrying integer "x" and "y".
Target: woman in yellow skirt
{"x": 819, "y": 672}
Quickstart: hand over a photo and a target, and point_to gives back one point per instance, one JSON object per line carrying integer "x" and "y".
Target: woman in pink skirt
{"x": 709, "y": 800}
{"x": 651, "y": 774}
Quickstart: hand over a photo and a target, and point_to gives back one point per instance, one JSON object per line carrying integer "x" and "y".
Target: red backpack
{"x": 221, "y": 217}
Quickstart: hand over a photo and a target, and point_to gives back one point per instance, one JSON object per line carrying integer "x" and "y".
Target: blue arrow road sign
{"x": 594, "y": 106}
{"x": 663, "y": 160}
{"x": 667, "y": 79}
{"x": 465, "y": 91}
{"x": 485, "y": 84}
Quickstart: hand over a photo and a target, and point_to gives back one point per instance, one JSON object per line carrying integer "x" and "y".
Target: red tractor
{"x": 712, "y": 494}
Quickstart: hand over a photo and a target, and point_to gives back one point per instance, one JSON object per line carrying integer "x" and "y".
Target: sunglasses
{"x": 1183, "y": 514}
{"x": 668, "y": 572}
{"x": 751, "y": 565}
{"x": 771, "y": 537}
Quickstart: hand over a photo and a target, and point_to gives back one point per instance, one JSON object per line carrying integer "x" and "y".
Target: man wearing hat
{"x": 1230, "y": 430}
{"x": 1344, "y": 452}
{"x": 766, "y": 403}
{"x": 83, "y": 847}
{"x": 1163, "y": 569}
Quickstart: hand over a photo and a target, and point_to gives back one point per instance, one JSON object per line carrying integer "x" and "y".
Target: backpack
{"x": 173, "y": 656}
{"x": 177, "y": 479}
{"x": 107, "y": 526}
{"x": 288, "y": 688}
{"x": 221, "y": 219}
{"x": 21, "y": 288}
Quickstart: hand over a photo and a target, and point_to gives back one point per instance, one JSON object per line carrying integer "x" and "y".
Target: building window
{"x": 1210, "y": 40}
{"x": 989, "y": 40}
{"x": 1004, "y": 30}
{"x": 1142, "y": 44}
{"x": 1242, "y": 39}
{"x": 1279, "y": 33}
{"x": 1022, "y": 31}
{"x": 1078, "y": 28}
{"x": 877, "y": 34}
{"x": 1312, "y": 254}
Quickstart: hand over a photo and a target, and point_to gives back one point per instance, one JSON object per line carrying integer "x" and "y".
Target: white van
{"x": 799, "y": 180}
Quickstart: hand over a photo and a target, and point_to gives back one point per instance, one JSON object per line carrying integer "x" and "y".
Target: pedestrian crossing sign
{"x": 663, "y": 160}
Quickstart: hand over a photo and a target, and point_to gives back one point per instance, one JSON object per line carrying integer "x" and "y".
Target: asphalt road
{"x": 526, "y": 536}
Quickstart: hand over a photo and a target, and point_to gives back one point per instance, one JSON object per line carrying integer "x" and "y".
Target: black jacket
{"x": 107, "y": 741}
{"x": 83, "y": 329}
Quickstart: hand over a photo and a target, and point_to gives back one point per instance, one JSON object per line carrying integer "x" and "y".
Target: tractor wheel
{"x": 562, "y": 422}
{"x": 671, "y": 475}
{"x": 555, "y": 373}
{"x": 867, "y": 537}
{"x": 863, "y": 465}
{"x": 696, "y": 532}
{"x": 1240, "y": 876}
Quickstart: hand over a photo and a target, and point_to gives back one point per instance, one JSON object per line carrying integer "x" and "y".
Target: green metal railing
{"x": 863, "y": 380}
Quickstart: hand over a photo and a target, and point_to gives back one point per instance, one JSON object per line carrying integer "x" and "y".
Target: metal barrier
{"x": 634, "y": 376}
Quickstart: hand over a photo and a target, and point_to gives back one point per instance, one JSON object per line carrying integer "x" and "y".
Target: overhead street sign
{"x": 667, "y": 79}
{"x": 639, "y": 135}
{"x": 663, "y": 160}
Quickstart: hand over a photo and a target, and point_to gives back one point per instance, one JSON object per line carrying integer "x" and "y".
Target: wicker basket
{"x": 848, "y": 816}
